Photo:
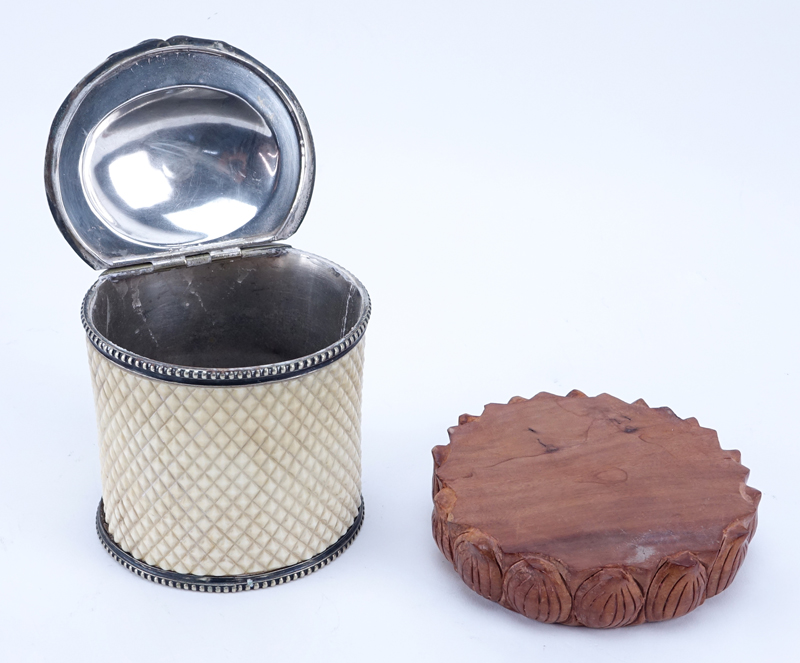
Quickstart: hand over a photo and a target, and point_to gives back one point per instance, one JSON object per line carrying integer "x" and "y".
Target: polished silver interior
{"x": 242, "y": 312}
{"x": 179, "y": 165}
{"x": 175, "y": 148}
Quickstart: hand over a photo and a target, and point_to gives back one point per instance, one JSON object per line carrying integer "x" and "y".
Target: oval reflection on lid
{"x": 179, "y": 165}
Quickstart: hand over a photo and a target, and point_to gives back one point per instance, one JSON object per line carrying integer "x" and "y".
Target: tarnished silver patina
{"x": 269, "y": 314}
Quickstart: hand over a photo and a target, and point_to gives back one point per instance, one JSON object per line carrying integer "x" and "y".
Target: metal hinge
{"x": 208, "y": 256}
{"x": 195, "y": 258}
{"x": 170, "y": 262}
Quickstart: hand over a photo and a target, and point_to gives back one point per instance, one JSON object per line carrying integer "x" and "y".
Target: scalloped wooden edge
{"x": 575, "y": 393}
{"x": 489, "y": 571}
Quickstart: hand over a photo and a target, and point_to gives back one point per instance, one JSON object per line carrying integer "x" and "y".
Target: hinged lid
{"x": 174, "y": 148}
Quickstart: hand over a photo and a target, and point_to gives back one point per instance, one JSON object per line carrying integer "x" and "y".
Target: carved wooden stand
{"x": 591, "y": 511}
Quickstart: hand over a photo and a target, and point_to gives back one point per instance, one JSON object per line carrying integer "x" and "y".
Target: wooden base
{"x": 591, "y": 511}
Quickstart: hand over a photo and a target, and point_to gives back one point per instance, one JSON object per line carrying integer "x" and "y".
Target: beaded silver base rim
{"x": 226, "y": 584}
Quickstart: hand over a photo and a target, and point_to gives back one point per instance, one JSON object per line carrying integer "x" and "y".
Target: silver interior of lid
{"x": 176, "y": 148}
{"x": 180, "y": 165}
{"x": 278, "y": 307}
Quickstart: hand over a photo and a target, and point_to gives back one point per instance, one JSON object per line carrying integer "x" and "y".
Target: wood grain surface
{"x": 591, "y": 511}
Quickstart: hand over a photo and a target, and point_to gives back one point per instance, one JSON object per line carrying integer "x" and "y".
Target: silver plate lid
{"x": 174, "y": 148}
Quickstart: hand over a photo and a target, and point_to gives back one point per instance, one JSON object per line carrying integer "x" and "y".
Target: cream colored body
{"x": 229, "y": 480}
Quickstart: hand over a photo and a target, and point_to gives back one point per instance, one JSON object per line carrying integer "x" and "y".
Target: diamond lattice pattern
{"x": 229, "y": 480}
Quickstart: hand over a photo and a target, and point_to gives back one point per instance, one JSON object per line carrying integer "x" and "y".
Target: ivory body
{"x": 225, "y": 480}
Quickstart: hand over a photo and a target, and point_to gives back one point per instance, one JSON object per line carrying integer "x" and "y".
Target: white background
{"x": 539, "y": 196}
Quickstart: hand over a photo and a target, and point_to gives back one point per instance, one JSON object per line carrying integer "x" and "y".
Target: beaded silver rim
{"x": 226, "y": 584}
{"x": 223, "y": 377}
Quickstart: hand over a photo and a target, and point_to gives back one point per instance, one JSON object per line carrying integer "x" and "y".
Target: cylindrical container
{"x": 226, "y": 367}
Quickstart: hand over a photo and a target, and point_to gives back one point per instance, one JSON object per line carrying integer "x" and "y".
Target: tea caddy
{"x": 226, "y": 366}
